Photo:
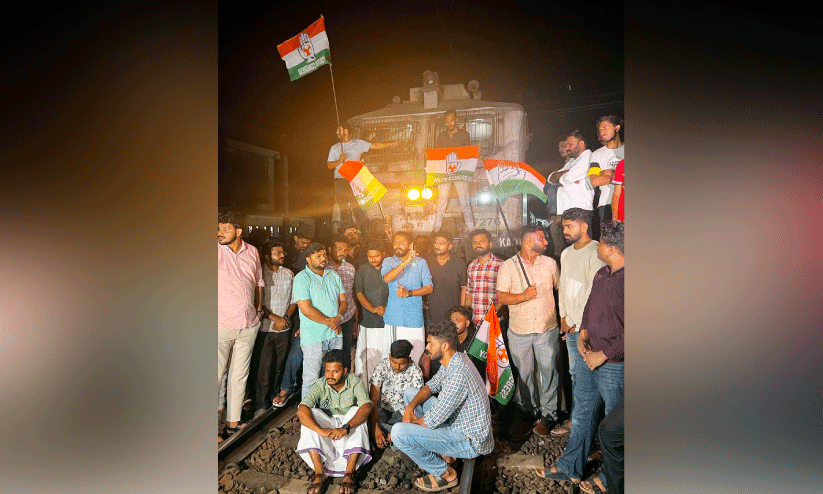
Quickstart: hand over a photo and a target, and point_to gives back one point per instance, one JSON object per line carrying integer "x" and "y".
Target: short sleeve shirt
{"x": 460, "y": 138}
{"x": 277, "y": 295}
{"x": 392, "y": 386}
{"x": 323, "y": 292}
{"x": 447, "y": 281}
{"x": 346, "y": 272}
{"x": 406, "y": 312}
{"x": 369, "y": 282}
{"x": 537, "y": 315}
{"x": 481, "y": 283}
{"x": 321, "y": 395}
{"x": 353, "y": 149}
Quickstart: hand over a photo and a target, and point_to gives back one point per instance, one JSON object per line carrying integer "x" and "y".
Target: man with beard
{"x": 578, "y": 265}
{"x": 357, "y": 254}
{"x": 481, "y": 282}
{"x": 337, "y": 263}
{"x": 453, "y": 136}
{"x": 272, "y": 343}
{"x": 295, "y": 260}
{"x": 409, "y": 278}
{"x": 321, "y": 298}
{"x": 574, "y": 190}
{"x": 374, "y": 340}
{"x": 239, "y": 298}
{"x": 602, "y": 165}
{"x": 334, "y": 437}
{"x": 550, "y": 188}
{"x": 599, "y": 376}
{"x": 456, "y": 424}
{"x": 526, "y": 284}
{"x": 448, "y": 277}
{"x": 462, "y": 318}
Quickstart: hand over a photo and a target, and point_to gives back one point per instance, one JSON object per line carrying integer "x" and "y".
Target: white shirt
{"x": 575, "y": 195}
{"x": 353, "y": 149}
{"x": 607, "y": 159}
{"x": 277, "y": 294}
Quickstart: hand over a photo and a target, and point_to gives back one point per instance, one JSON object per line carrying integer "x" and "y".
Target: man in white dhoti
{"x": 334, "y": 437}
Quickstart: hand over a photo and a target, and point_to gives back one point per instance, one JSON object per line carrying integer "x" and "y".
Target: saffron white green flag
{"x": 512, "y": 177}
{"x": 367, "y": 189}
{"x": 488, "y": 345}
{"x": 307, "y": 51}
{"x": 451, "y": 164}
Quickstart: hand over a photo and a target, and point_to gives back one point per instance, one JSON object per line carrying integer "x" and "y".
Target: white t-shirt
{"x": 576, "y": 195}
{"x": 607, "y": 159}
{"x": 353, "y": 149}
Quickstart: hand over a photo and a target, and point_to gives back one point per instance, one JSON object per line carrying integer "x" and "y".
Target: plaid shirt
{"x": 462, "y": 403}
{"x": 482, "y": 285}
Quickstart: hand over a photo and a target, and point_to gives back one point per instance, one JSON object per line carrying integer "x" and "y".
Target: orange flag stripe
{"x": 292, "y": 44}
{"x": 462, "y": 152}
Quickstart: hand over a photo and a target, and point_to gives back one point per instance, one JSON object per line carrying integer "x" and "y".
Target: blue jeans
{"x": 591, "y": 389}
{"x": 313, "y": 360}
{"x": 293, "y": 363}
{"x": 571, "y": 346}
{"x": 424, "y": 445}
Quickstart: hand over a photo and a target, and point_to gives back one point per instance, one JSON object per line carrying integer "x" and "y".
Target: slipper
{"x": 347, "y": 486}
{"x": 543, "y": 473}
{"x": 317, "y": 484}
{"x": 281, "y": 399}
{"x": 592, "y": 487}
{"x": 561, "y": 430}
{"x": 441, "y": 483}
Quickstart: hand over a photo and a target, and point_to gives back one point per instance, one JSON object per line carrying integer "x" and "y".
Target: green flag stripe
{"x": 321, "y": 58}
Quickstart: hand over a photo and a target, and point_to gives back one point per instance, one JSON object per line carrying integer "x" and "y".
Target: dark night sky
{"x": 523, "y": 53}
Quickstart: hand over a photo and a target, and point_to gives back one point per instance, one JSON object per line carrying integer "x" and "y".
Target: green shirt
{"x": 326, "y": 398}
{"x": 323, "y": 292}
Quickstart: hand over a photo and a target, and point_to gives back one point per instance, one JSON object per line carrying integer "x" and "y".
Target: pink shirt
{"x": 238, "y": 275}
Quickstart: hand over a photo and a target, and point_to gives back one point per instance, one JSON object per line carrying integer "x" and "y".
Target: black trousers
{"x": 611, "y": 436}
{"x": 272, "y": 349}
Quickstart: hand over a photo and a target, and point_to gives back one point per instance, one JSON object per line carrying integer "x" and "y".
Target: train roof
{"x": 393, "y": 110}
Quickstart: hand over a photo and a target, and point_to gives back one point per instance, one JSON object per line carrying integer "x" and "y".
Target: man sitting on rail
{"x": 334, "y": 437}
{"x": 392, "y": 376}
{"x": 457, "y": 423}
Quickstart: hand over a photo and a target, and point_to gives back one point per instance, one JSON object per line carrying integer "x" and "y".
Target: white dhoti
{"x": 373, "y": 345}
{"x": 335, "y": 453}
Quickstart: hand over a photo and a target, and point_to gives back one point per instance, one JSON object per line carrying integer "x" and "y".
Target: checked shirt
{"x": 482, "y": 284}
{"x": 462, "y": 403}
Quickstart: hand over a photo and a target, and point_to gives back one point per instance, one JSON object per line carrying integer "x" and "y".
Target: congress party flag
{"x": 367, "y": 189}
{"x": 488, "y": 345}
{"x": 451, "y": 164}
{"x": 512, "y": 177}
{"x": 307, "y": 51}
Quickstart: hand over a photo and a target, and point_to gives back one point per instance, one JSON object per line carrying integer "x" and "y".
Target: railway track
{"x": 244, "y": 442}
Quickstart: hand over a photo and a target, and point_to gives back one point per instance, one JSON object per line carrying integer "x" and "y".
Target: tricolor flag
{"x": 307, "y": 51}
{"x": 512, "y": 177}
{"x": 451, "y": 164}
{"x": 488, "y": 345}
{"x": 367, "y": 189}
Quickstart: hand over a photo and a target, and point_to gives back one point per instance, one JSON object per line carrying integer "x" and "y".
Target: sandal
{"x": 348, "y": 486}
{"x": 281, "y": 399}
{"x": 425, "y": 483}
{"x": 593, "y": 486}
{"x": 562, "y": 430}
{"x": 232, "y": 430}
{"x": 317, "y": 484}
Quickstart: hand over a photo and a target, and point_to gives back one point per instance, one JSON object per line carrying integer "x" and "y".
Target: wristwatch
{"x": 347, "y": 427}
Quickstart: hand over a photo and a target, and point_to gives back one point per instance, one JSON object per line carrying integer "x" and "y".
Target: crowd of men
{"x": 379, "y": 330}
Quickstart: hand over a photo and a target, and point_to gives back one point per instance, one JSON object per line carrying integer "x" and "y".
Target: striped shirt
{"x": 277, "y": 294}
{"x": 346, "y": 272}
{"x": 482, "y": 285}
{"x": 462, "y": 403}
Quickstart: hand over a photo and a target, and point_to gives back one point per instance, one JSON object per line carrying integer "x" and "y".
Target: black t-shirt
{"x": 460, "y": 138}
{"x": 446, "y": 281}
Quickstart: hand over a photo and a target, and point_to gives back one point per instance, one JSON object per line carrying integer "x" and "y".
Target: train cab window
{"x": 481, "y": 129}
{"x": 388, "y": 132}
